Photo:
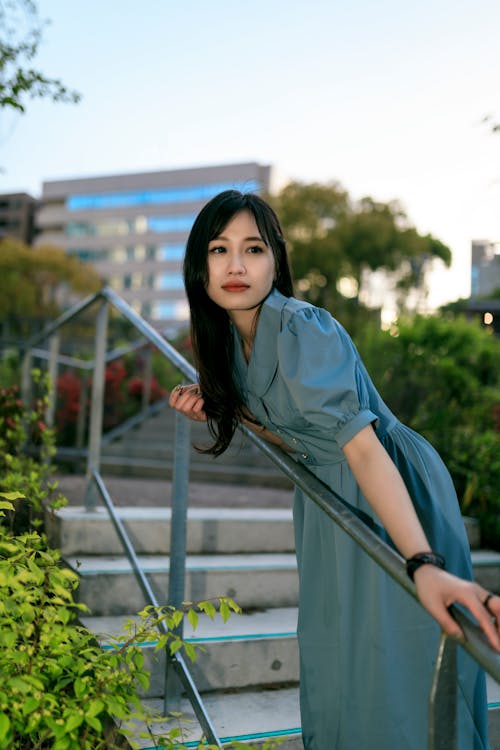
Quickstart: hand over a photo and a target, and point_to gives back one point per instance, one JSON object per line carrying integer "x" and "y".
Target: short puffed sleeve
{"x": 323, "y": 373}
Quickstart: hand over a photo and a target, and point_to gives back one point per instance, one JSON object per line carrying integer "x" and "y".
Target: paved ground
{"x": 157, "y": 492}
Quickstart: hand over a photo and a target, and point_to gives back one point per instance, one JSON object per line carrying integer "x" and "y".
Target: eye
{"x": 217, "y": 249}
{"x": 255, "y": 249}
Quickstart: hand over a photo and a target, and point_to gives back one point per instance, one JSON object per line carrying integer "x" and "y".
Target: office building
{"x": 17, "y": 211}
{"x": 485, "y": 268}
{"x": 133, "y": 227}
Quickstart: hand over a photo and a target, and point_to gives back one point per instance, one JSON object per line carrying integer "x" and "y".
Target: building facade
{"x": 485, "y": 268}
{"x": 133, "y": 227}
{"x": 17, "y": 212}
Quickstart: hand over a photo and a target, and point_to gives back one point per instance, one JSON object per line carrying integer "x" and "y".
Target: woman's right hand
{"x": 187, "y": 399}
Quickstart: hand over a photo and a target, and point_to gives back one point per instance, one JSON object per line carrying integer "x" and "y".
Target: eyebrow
{"x": 247, "y": 239}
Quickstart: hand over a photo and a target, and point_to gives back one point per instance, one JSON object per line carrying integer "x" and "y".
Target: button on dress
{"x": 367, "y": 649}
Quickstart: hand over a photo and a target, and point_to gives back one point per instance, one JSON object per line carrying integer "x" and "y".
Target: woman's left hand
{"x": 437, "y": 590}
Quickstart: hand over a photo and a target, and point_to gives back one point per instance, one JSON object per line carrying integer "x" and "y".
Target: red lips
{"x": 235, "y": 286}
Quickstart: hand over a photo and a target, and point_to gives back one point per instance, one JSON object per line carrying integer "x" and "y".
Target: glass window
{"x": 136, "y": 280}
{"x": 183, "y": 194}
{"x": 170, "y": 310}
{"x": 169, "y": 281}
{"x": 116, "y": 283}
{"x": 118, "y": 255}
{"x": 170, "y": 252}
{"x": 171, "y": 223}
{"x": 99, "y": 229}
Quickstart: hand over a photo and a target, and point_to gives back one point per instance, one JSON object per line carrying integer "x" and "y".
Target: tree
{"x": 21, "y": 31}
{"x": 334, "y": 242}
{"x": 38, "y": 283}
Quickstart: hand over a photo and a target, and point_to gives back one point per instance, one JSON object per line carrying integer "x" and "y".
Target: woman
{"x": 291, "y": 372}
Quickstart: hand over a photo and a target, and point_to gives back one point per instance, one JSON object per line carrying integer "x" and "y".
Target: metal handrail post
{"x": 53, "y": 369}
{"x": 82, "y": 413}
{"x": 26, "y": 390}
{"x": 443, "y": 698}
{"x": 97, "y": 403}
{"x": 178, "y": 528}
{"x": 147, "y": 376}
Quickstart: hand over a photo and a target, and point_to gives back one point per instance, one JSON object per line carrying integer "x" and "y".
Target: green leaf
{"x": 4, "y": 726}
{"x": 30, "y": 704}
{"x": 192, "y": 616}
{"x": 73, "y": 722}
{"x": 208, "y": 608}
{"x": 139, "y": 659}
{"x": 95, "y": 708}
{"x": 11, "y": 496}
{"x": 79, "y": 688}
{"x": 177, "y": 617}
{"x": 190, "y": 651}
{"x": 94, "y": 722}
{"x": 175, "y": 646}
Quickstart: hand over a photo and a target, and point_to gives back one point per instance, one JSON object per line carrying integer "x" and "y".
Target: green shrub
{"x": 59, "y": 687}
{"x": 27, "y": 473}
{"x": 440, "y": 376}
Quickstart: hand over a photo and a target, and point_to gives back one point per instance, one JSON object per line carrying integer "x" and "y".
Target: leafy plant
{"x": 20, "y": 471}
{"x": 59, "y": 687}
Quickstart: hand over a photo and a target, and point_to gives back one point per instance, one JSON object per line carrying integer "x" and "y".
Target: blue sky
{"x": 386, "y": 97}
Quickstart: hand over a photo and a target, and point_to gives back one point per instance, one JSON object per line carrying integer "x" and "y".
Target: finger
{"x": 187, "y": 400}
{"x": 181, "y": 393}
{"x": 475, "y": 606}
{"x": 174, "y": 394}
{"x": 449, "y": 625}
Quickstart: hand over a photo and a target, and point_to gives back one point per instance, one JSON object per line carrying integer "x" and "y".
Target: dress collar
{"x": 261, "y": 369}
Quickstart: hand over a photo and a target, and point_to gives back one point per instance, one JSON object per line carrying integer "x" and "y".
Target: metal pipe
{"x": 97, "y": 402}
{"x": 178, "y": 527}
{"x": 26, "y": 389}
{"x": 151, "y": 334}
{"x": 178, "y": 660}
{"x": 82, "y": 414}
{"x": 443, "y": 698}
{"x": 73, "y": 312}
{"x": 147, "y": 377}
{"x": 55, "y": 341}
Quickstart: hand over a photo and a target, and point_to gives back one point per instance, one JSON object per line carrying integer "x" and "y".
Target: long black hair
{"x": 210, "y": 326}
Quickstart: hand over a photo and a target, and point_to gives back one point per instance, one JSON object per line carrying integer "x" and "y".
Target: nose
{"x": 236, "y": 264}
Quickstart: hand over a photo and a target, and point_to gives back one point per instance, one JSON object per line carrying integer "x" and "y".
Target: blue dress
{"x": 367, "y": 649}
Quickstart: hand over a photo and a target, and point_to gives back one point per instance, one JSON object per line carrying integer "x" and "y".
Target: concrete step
{"x": 223, "y": 530}
{"x": 486, "y": 565}
{"x": 253, "y": 716}
{"x": 147, "y": 450}
{"x": 259, "y": 648}
{"x": 208, "y": 471}
{"x": 256, "y": 716}
{"x": 76, "y": 531}
{"x": 245, "y": 652}
{"x": 108, "y": 585}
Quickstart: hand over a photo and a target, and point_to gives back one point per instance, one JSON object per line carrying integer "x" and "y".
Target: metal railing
{"x": 443, "y": 696}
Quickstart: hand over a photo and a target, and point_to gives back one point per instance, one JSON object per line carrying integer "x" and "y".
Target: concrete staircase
{"x": 248, "y": 673}
{"x": 147, "y": 451}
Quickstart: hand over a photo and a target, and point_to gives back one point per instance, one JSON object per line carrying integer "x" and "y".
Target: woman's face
{"x": 241, "y": 266}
